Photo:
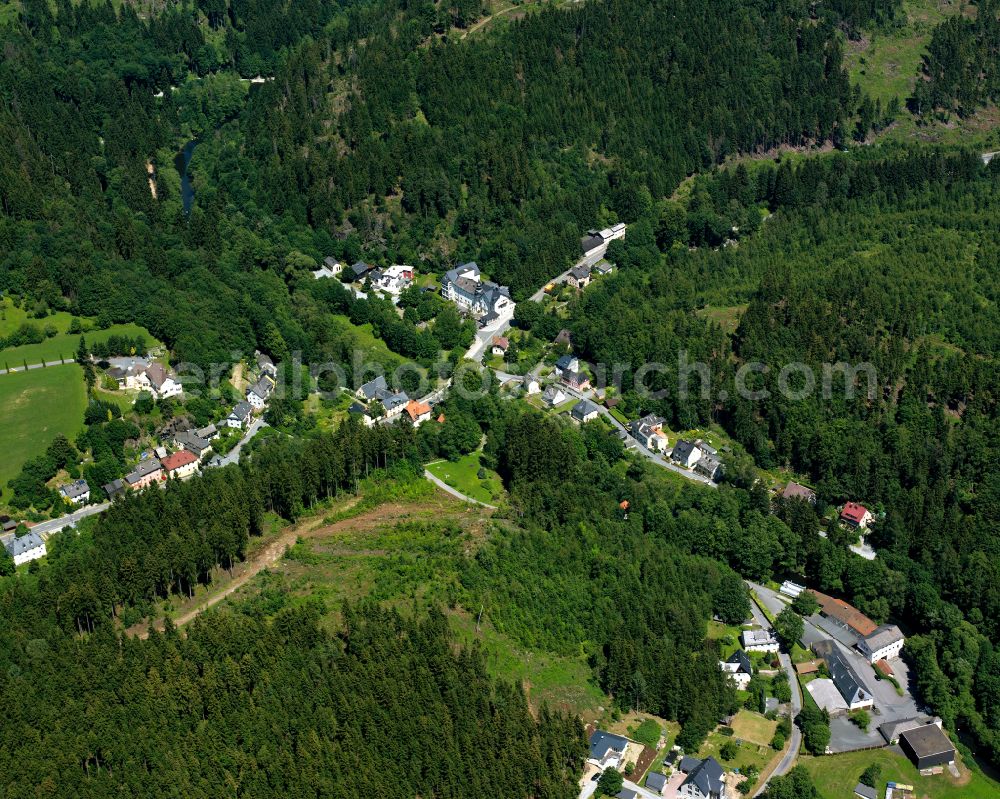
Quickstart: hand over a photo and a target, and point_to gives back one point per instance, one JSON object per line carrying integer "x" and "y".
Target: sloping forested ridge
{"x": 369, "y": 142}
{"x": 571, "y": 574}
{"x": 889, "y": 261}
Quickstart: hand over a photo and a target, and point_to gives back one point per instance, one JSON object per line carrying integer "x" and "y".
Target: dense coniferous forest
{"x": 380, "y": 136}
{"x": 887, "y": 261}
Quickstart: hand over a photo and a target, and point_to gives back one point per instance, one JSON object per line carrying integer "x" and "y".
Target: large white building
{"x": 465, "y": 287}
{"x": 26, "y": 548}
{"x": 885, "y": 642}
{"x": 759, "y": 641}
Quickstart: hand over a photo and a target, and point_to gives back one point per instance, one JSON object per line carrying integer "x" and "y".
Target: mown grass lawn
{"x": 753, "y": 727}
{"x": 463, "y": 475}
{"x": 63, "y": 345}
{"x": 836, "y": 775}
{"x": 35, "y": 407}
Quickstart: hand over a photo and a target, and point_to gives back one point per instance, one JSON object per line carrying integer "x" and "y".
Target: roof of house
{"x": 741, "y": 657}
{"x": 580, "y": 272}
{"x": 263, "y": 360}
{"x": 850, "y": 685}
{"x": 845, "y": 613}
{"x": 262, "y": 388}
{"x": 189, "y": 440}
{"x": 865, "y": 791}
{"x": 75, "y": 489}
{"x": 242, "y": 409}
{"x": 18, "y": 546}
{"x": 143, "y": 469}
{"x": 501, "y": 341}
{"x": 588, "y": 243}
{"x": 883, "y": 635}
{"x": 604, "y": 266}
{"x": 891, "y": 730}
{"x": 683, "y": 449}
{"x": 179, "y": 460}
{"x": 853, "y": 512}
{"x": 927, "y": 740}
{"x": 626, "y": 793}
{"x": 113, "y": 488}
{"x": 797, "y": 491}
{"x": 602, "y": 742}
{"x": 758, "y": 637}
{"x": 552, "y": 393}
{"x": 584, "y": 408}
{"x": 574, "y": 378}
{"x": 157, "y": 374}
{"x": 566, "y": 362}
{"x": 360, "y": 268}
{"x": 655, "y": 780}
{"x": 417, "y": 409}
{"x": 708, "y": 776}
{"x": 207, "y": 431}
{"x": 372, "y": 387}
{"x": 689, "y": 764}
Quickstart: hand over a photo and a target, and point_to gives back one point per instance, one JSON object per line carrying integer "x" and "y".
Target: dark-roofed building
{"x": 240, "y": 416}
{"x": 891, "y": 730}
{"x": 360, "y": 269}
{"x": 26, "y": 548}
{"x": 371, "y": 388}
{"x": 144, "y": 474}
{"x": 114, "y": 489}
{"x": 585, "y": 411}
{"x": 591, "y": 243}
{"x": 688, "y": 764}
{"x": 709, "y": 465}
{"x": 606, "y": 749}
{"x": 579, "y": 276}
{"x": 844, "y": 677}
{"x": 192, "y": 443}
{"x": 627, "y": 793}
{"x": 465, "y": 287}
{"x": 77, "y": 492}
{"x": 739, "y": 668}
{"x": 686, "y": 453}
{"x": 927, "y": 746}
{"x": 656, "y": 781}
{"x": 707, "y": 780}
{"x": 885, "y": 642}
{"x": 863, "y": 791}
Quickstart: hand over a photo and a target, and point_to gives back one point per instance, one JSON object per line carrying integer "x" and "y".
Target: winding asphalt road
{"x": 795, "y": 741}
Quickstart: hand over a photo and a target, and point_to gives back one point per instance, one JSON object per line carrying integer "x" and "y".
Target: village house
{"x": 709, "y": 464}
{"x": 579, "y": 276}
{"x": 857, "y": 516}
{"x": 368, "y": 391}
{"x": 260, "y": 392}
{"x": 500, "y": 345}
{"x": 686, "y": 453}
{"x": 77, "y": 492}
{"x": 531, "y": 385}
{"x": 152, "y": 377}
{"x": 656, "y": 782}
{"x": 26, "y": 548}
{"x": 759, "y": 641}
{"x": 885, "y": 642}
{"x": 114, "y": 489}
{"x": 331, "y": 268}
{"x": 192, "y": 443}
{"x": 566, "y": 363}
{"x": 739, "y": 669}
{"x": 553, "y": 396}
{"x": 239, "y": 417}
{"x": 392, "y": 280}
{"x": 602, "y": 268}
{"x": 145, "y": 474}
{"x": 705, "y": 779}
{"x": 465, "y": 287}
{"x": 606, "y": 749}
{"x": 585, "y": 411}
{"x": 419, "y": 412}
{"x": 851, "y": 687}
{"x": 360, "y": 270}
{"x": 576, "y": 380}
{"x": 845, "y": 615}
{"x": 208, "y": 432}
{"x": 648, "y": 431}
{"x": 181, "y": 465}
{"x": 265, "y": 366}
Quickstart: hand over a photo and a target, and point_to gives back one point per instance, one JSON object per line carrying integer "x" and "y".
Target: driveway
{"x": 233, "y": 456}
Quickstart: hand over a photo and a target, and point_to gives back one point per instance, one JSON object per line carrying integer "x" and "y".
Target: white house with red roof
{"x": 180, "y": 465}
{"x": 856, "y": 515}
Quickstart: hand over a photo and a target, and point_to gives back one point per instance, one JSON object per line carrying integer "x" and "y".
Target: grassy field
{"x": 64, "y": 345}
{"x": 753, "y": 727}
{"x": 728, "y": 318}
{"x": 462, "y": 475}
{"x": 750, "y": 754}
{"x": 836, "y": 775}
{"x": 35, "y": 407}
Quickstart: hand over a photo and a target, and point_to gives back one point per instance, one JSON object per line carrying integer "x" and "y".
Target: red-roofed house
{"x": 856, "y": 515}
{"x": 419, "y": 412}
{"x": 181, "y": 465}
{"x": 500, "y": 345}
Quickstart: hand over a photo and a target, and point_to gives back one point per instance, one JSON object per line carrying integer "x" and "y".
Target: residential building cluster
{"x": 483, "y": 299}
{"x": 596, "y": 241}
{"x": 139, "y": 374}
